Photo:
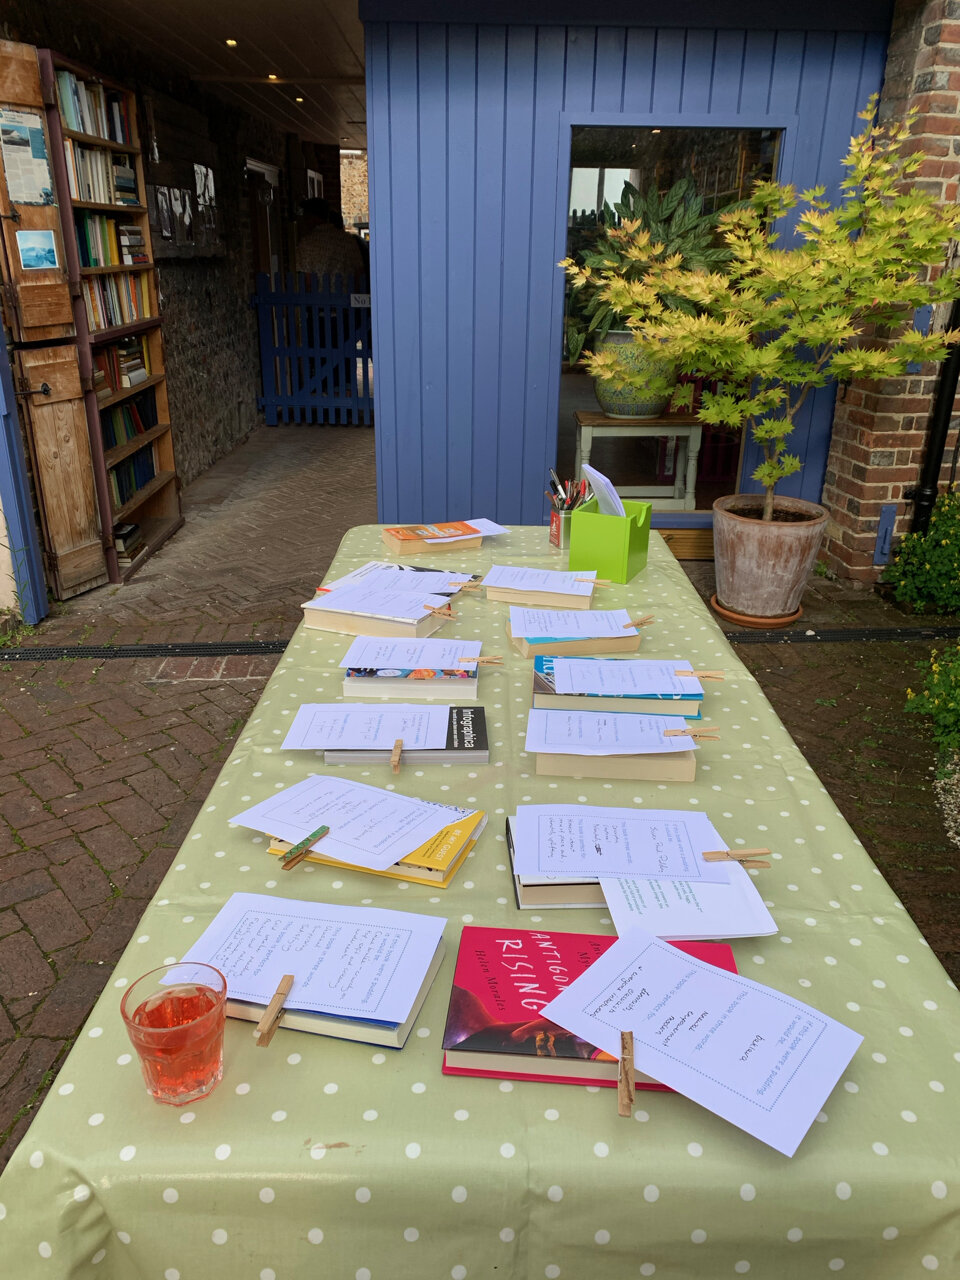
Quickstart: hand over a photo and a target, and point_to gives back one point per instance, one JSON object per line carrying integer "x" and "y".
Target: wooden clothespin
{"x": 273, "y": 1012}
{"x": 395, "y": 755}
{"x": 702, "y": 675}
{"x": 492, "y": 661}
{"x": 701, "y": 735}
{"x": 444, "y": 611}
{"x": 596, "y": 582}
{"x": 625, "y": 1076}
{"x": 746, "y": 857}
{"x": 469, "y": 586}
{"x": 640, "y": 622}
{"x": 296, "y": 854}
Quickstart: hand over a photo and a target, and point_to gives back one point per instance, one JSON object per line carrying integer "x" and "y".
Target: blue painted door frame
{"x": 21, "y": 529}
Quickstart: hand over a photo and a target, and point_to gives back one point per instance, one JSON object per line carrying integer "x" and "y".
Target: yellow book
{"x": 114, "y": 244}
{"x": 435, "y": 863}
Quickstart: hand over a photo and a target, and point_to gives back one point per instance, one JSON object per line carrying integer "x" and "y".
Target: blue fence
{"x": 315, "y": 349}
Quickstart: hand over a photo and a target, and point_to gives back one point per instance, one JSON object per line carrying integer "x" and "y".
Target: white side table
{"x": 680, "y": 496}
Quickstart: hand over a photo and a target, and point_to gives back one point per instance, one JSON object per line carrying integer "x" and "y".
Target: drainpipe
{"x": 924, "y": 494}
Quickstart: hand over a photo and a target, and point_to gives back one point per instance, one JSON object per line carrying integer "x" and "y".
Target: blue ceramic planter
{"x": 633, "y": 401}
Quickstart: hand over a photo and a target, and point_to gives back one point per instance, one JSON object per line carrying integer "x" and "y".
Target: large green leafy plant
{"x": 925, "y": 570}
{"x": 777, "y": 323}
{"x": 674, "y": 220}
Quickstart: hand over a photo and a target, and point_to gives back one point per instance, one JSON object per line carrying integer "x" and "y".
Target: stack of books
{"x": 128, "y": 542}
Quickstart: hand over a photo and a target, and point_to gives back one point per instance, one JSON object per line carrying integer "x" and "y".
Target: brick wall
{"x": 879, "y": 429}
{"x": 210, "y": 335}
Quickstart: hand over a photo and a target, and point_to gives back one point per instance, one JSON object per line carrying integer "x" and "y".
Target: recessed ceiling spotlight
{"x": 654, "y": 130}
{"x": 271, "y": 76}
{"x": 299, "y": 99}
{"x": 231, "y": 44}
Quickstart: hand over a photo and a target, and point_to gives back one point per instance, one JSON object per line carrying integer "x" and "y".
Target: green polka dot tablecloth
{"x": 318, "y": 1158}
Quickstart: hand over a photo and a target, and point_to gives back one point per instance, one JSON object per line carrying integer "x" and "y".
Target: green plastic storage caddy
{"x": 616, "y": 546}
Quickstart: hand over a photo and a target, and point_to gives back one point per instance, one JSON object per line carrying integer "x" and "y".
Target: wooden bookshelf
{"x": 96, "y": 154}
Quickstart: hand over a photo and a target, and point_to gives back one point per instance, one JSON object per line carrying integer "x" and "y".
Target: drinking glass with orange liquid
{"x": 174, "y": 1017}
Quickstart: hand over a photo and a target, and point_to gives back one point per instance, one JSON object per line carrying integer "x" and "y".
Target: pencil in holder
{"x": 616, "y": 546}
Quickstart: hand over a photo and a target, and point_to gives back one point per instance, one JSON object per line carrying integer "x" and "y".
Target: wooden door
{"x": 60, "y": 455}
{"x": 36, "y": 292}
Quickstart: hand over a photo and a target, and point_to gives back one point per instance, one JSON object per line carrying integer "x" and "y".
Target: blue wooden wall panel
{"x": 469, "y": 148}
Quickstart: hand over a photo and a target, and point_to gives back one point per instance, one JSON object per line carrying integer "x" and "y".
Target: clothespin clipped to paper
{"x": 296, "y": 854}
{"x": 625, "y": 1076}
{"x": 746, "y": 857}
{"x": 273, "y": 1013}
{"x": 640, "y": 622}
{"x": 595, "y": 582}
{"x": 701, "y": 735}
{"x": 702, "y": 675}
{"x": 444, "y": 611}
{"x": 469, "y": 586}
{"x": 493, "y": 661}
{"x": 395, "y": 755}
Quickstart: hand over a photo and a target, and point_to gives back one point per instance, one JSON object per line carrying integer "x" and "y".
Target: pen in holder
{"x": 616, "y": 546}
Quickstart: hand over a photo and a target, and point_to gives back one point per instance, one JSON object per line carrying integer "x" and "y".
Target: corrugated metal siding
{"x": 469, "y": 135}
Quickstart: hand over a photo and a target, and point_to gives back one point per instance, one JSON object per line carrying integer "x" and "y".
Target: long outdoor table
{"x": 318, "y": 1157}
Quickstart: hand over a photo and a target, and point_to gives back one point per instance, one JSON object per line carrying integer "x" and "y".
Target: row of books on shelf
{"x": 101, "y": 177}
{"x": 126, "y": 421}
{"x": 115, "y": 300}
{"x": 132, "y": 474}
{"x": 87, "y": 107}
{"x": 125, "y": 363}
{"x": 102, "y": 241}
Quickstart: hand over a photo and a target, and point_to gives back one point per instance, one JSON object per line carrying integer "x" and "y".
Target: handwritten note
{"x": 333, "y": 726}
{"x": 359, "y": 962}
{"x": 584, "y": 840}
{"x": 518, "y": 578}
{"x": 385, "y": 653}
{"x": 690, "y": 911}
{"x": 602, "y": 733}
{"x": 760, "y": 1059}
{"x": 383, "y": 575}
{"x": 369, "y": 827}
{"x": 569, "y": 624}
{"x": 638, "y": 676}
{"x": 374, "y": 602}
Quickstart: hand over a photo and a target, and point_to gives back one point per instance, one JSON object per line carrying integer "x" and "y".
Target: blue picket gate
{"x": 315, "y": 349}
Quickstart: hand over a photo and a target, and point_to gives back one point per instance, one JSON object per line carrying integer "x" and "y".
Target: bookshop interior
{"x": 349, "y": 1036}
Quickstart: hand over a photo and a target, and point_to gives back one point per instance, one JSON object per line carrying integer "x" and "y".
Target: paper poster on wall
{"x": 25, "y": 161}
{"x": 206, "y": 194}
{"x": 38, "y": 250}
{"x": 164, "y": 214}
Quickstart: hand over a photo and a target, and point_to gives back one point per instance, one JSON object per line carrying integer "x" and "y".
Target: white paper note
{"x": 489, "y": 529}
{"x": 518, "y": 578}
{"x": 756, "y": 1057}
{"x": 382, "y": 575}
{"x": 386, "y": 653}
{"x": 640, "y": 676}
{"x": 586, "y": 840}
{"x": 688, "y": 912}
{"x": 395, "y": 605}
{"x": 602, "y": 733}
{"x": 608, "y": 500}
{"x": 369, "y": 827}
{"x": 335, "y": 726}
{"x": 569, "y": 624}
{"x": 355, "y": 962}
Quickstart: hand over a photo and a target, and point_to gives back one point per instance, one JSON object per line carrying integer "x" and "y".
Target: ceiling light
{"x": 271, "y": 76}
{"x": 231, "y": 44}
{"x": 654, "y": 130}
{"x": 299, "y": 99}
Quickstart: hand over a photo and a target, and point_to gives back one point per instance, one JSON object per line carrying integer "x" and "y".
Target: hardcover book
{"x": 503, "y": 978}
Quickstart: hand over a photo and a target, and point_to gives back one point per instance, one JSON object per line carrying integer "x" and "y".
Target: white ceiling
{"x": 313, "y": 47}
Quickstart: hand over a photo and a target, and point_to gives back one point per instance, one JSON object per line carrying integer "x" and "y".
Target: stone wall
{"x": 880, "y": 429}
{"x": 210, "y": 335}
{"x": 353, "y": 189}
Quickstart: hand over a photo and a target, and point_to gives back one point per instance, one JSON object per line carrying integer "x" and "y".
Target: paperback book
{"x": 545, "y": 693}
{"x": 504, "y": 978}
{"x": 465, "y": 743}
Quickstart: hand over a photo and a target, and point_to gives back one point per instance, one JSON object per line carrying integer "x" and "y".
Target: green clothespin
{"x": 298, "y": 852}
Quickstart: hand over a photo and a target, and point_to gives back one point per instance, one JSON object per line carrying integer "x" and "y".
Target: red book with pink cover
{"x": 503, "y": 978}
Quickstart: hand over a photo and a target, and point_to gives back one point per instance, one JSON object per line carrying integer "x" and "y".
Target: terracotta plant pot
{"x": 762, "y": 567}
{"x": 632, "y": 402}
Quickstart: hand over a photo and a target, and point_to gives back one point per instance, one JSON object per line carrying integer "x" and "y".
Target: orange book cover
{"x": 426, "y": 532}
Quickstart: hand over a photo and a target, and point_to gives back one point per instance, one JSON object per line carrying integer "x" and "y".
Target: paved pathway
{"x": 103, "y": 765}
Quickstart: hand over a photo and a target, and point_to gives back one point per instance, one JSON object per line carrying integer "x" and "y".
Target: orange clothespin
{"x": 443, "y": 612}
{"x": 273, "y": 1012}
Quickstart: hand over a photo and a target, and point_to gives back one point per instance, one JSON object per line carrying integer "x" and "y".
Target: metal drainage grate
{"x": 845, "y": 635}
{"x": 186, "y": 649}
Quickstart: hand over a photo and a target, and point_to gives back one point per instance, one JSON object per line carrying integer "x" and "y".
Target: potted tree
{"x": 778, "y": 322}
{"x": 672, "y": 227}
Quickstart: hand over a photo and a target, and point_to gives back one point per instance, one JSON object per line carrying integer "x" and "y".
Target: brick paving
{"x": 104, "y": 765}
